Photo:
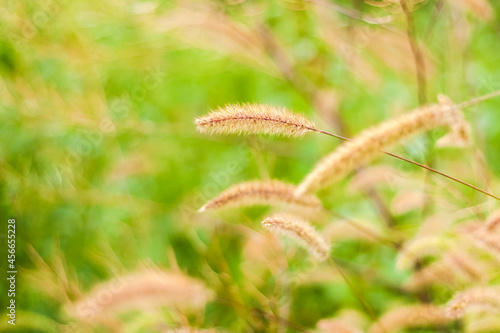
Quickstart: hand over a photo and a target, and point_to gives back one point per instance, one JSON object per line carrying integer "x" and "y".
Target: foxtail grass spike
{"x": 300, "y": 231}
{"x": 270, "y": 192}
{"x": 254, "y": 119}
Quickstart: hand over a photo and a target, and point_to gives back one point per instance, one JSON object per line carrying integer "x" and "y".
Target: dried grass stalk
{"x": 143, "y": 290}
{"x": 368, "y": 144}
{"x": 269, "y": 192}
{"x": 410, "y": 316}
{"x": 481, "y": 298}
{"x": 254, "y": 119}
{"x": 301, "y": 231}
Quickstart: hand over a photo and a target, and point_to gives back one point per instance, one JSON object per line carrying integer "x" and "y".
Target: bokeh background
{"x": 103, "y": 170}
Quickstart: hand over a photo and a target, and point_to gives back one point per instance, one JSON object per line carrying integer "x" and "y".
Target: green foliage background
{"x": 100, "y": 160}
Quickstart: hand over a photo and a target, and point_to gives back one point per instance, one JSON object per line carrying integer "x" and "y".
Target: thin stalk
{"x": 419, "y": 164}
{"x": 364, "y": 230}
{"x": 368, "y": 309}
{"x": 417, "y": 54}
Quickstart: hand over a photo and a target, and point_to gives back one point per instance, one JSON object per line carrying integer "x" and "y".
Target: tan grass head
{"x": 369, "y": 143}
{"x": 485, "y": 299}
{"x": 487, "y": 240}
{"x": 148, "y": 289}
{"x": 410, "y": 316}
{"x": 300, "y": 231}
{"x": 254, "y": 119}
{"x": 460, "y": 131}
{"x": 493, "y": 221}
{"x": 267, "y": 192}
{"x": 437, "y": 273}
{"x": 418, "y": 248}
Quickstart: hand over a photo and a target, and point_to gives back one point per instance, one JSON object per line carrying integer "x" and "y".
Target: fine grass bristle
{"x": 487, "y": 240}
{"x": 410, "y": 316}
{"x": 270, "y": 192}
{"x": 150, "y": 289}
{"x": 460, "y": 132}
{"x": 254, "y": 119}
{"x": 486, "y": 299}
{"x": 418, "y": 248}
{"x": 493, "y": 221}
{"x": 437, "y": 273}
{"x": 465, "y": 265}
{"x": 369, "y": 143}
{"x": 300, "y": 231}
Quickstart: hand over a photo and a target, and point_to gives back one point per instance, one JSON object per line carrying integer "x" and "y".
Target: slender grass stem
{"x": 420, "y": 164}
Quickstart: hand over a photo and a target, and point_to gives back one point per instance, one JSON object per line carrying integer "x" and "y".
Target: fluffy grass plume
{"x": 410, "y": 316}
{"x": 487, "y": 240}
{"x": 418, "y": 248}
{"x": 437, "y": 273}
{"x": 345, "y": 321}
{"x": 301, "y": 231}
{"x": 485, "y": 299}
{"x": 268, "y": 192}
{"x": 149, "y": 289}
{"x": 337, "y": 326}
{"x": 460, "y": 132}
{"x": 369, "y": 143}
{"x": 254, "y": 119}
{"x": 493, "y": 221}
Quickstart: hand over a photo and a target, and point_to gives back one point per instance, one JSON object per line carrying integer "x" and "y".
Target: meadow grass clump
{"x": 450, "y": 264}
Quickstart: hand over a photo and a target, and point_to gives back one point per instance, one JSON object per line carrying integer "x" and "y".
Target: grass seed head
{"x": 270, "y": 192}
{"x": 254, "y": 119}
{"x": 300, "y": 231}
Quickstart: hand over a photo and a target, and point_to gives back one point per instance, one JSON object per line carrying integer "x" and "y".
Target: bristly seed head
{"x": 369, "y": 143}
{"x": 480, "y": 298}
{"x": 408, "y": 316}
{"x": 267, "y": 192}
{"x": 300, "y": 231}
{"x": 254, "y": 119}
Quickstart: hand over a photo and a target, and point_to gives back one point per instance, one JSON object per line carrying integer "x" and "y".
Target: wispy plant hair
{"x": 268, "y": 192}
{"x": 493, "y": 221}
{"x": 459, "y": 134}
{"x": 410, "y": 316}
{"x": 300, "y": 231}
{"x": 369, "y": 143}
{"x": 254, "y": 119}
{"x": 463, "y": 263}
{"x": 439, "y": 272}
{"x": 417, "y": 248}
{"x": 482, "y": 298}
{"x": 487, "y": 240}
{"x": 147, "y": 289}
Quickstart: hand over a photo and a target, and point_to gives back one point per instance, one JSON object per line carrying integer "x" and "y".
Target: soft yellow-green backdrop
{"x": 103, "y": 170}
